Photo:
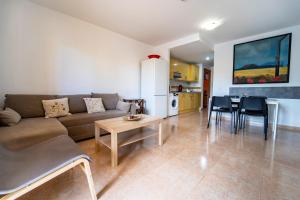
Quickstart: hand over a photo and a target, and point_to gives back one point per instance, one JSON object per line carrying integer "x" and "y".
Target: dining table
{"x": 272, "y": 103}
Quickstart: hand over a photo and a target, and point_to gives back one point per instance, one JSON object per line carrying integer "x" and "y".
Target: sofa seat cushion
{"x": 30, "y": 131}
{"x": 85, "y": 118}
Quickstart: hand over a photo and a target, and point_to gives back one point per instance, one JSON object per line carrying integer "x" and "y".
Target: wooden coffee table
{"x": 116, "y": 126}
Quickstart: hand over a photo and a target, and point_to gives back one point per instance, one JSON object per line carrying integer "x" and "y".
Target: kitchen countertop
{"x": 186, "y": 92}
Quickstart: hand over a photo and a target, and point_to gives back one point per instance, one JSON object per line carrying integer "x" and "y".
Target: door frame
{"x": 202, "y": 85}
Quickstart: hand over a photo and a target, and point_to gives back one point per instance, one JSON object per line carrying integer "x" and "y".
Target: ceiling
{"x": 195, "y": 52}
{"x": 158, "y": 21}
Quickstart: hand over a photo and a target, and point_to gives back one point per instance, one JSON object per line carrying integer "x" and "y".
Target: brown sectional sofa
{"x": 34, "y": 128}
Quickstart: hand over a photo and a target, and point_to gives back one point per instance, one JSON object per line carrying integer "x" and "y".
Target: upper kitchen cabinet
{"x": 182, "y": 69}
{"x": 183, "y": 72}
{"x": 193, "y": 73}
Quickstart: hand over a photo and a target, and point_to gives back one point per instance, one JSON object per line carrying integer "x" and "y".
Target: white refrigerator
{"x": 154, "y": 86}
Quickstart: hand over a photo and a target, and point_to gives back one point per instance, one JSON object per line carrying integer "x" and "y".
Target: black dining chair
{"x": 221, "y": 105}
{"x": 235, "y": 105}
{"x": 253, "y": 106}
{"x": 232, "y": 96}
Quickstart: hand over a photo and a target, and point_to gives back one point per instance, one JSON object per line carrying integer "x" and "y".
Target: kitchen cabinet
{"x": 193, "y": 73}
{"x": 197, "y": 100}
{"x": 173, "y": 68}
{"x": 183, "y": 70}
{"x": 189, "y": 102}
{"x": 181, "y": 102}
{"x": 188, "y": 72}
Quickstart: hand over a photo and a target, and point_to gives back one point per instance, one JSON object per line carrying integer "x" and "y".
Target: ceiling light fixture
{"x": 211, "y": 24}
{"x": 207, "y": 58}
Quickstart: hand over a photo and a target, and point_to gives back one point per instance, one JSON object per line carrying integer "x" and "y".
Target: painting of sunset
{"x": 262, "y": 61}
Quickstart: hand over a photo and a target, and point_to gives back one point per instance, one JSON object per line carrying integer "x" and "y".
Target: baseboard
{"x": 290, "y": 128}
{"x": 187, "y": 111}
{"x": 279, "y": 126}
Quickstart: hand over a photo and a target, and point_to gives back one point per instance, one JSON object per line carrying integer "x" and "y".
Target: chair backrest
{"x": 221, "y": 102}
{"x": 232, "y": 96}
{"x": 254, "y": 103}
{"x": 263, "y": 97}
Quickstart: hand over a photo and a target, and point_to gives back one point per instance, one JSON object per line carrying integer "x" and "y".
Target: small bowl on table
{"x": 132, "y": 117}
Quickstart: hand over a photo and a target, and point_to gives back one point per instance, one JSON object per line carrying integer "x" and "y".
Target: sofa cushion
{"x": 27, "y": 105}
{"x": 94, "y": 105}
{"x": 30, "y": 131}
{"x": 85, "y": 118}
{"x": 56, "y": 107}
{"x": 124, "y": 106}
{"x": 110, "y": 101}
{"x": 9, "y": 117}
{"x": 76, "y": 102}
{"x": 81, "y": 132}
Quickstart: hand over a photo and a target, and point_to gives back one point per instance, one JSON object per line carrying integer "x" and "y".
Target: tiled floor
{"x": 194, "y": 163}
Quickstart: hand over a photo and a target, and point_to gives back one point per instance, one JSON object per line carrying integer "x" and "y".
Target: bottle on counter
{"x": 180, "y": 88}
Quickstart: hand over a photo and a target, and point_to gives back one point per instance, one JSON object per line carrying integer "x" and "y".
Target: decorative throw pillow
{"x": 109, "y": 100}
{"x": 94, "y": 105}
{"x": 133, "y": 108}
{"x": 124, "y": 106}
{"x": 9, "y": 117}
{"x": 56, "y": 107}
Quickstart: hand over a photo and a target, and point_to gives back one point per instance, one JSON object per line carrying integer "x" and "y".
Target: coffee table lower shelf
{"x": 123, "y": 132}
{"x": 128, "y": 138}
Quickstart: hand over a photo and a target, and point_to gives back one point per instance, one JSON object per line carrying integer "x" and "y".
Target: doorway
{"x": 206, "y": 86}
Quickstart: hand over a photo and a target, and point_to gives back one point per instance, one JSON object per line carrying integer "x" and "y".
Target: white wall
{"x": 289, "y": 108}
{"x": 44, "y": 51}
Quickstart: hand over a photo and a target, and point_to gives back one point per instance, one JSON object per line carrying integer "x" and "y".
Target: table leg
{"x": 97, "y": 137}
{"x": 208, "y": 107}
{"x": 97, "y": 133}
{"x": 160, "y": 139}
{"x": 114, "y": 149}
{"x": 275, "y": 121}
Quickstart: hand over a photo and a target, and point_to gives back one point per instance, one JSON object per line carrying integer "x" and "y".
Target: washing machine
{"x": 173, "y": 104}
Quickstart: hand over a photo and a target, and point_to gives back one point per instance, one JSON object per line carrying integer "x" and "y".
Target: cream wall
{"x": 289, "y": 108}
{"x": 44, "y": 51}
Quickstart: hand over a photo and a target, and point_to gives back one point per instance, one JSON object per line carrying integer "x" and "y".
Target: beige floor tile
{"x": 277, "y": 190}
{"x": 194, "y": 163}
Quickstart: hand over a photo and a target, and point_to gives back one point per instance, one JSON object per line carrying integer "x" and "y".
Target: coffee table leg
{"x": 97, "y": 137}
{"x": 114, "y": 149}
{"x": 160, "y": 140}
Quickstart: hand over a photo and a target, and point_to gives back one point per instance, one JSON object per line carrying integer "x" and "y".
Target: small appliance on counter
{"x": 180, "y": 88}
{"x": 177, "y": 75}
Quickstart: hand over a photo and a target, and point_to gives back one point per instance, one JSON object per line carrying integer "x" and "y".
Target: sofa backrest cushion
{"x": 27, "y": 105}
{"x": 76, "y": 102}
{"x": 110, "y": 101}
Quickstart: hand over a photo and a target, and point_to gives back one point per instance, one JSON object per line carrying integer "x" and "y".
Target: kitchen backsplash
{"x": 177, "y": 83}
{"x": 174, "y": 88}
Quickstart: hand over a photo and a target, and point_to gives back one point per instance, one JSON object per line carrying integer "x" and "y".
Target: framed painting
{"x": 262, "y": 61}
